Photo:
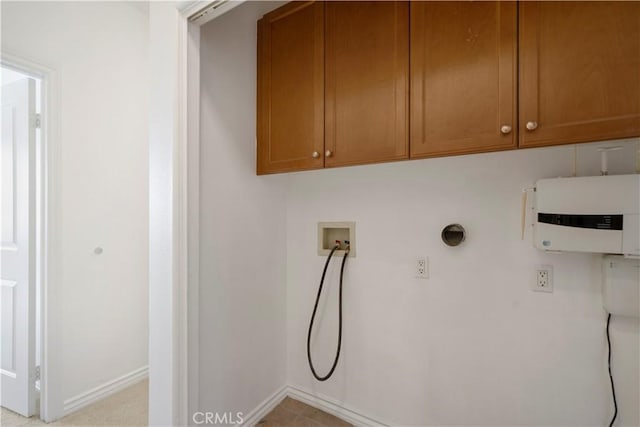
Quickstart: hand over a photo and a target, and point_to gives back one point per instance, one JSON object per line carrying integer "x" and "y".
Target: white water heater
{"x": 599, "y": 214}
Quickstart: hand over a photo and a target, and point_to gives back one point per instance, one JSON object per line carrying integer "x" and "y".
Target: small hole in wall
{"x": 453, "y": 234}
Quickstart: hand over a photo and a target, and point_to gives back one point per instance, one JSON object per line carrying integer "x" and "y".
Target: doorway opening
{"x": 21, "y": 241}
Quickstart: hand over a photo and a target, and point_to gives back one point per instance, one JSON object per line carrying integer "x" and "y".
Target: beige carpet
{"x": 126, "y": 408}
{"x": 129, "y": 408}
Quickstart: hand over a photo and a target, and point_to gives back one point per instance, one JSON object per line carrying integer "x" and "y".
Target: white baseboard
{"x": 253, "y": 417}
{"x": 332, "y": 407}
{"x": 324, "y": 403}
{"x": 98, "y": 393}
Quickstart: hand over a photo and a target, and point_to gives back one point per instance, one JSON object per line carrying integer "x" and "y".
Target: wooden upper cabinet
{"x": 579, "y": 71}
{"x": 290, "y": 104}
{"x": 463, "y": 77}
{"x": 334, "y": 78}
{"x": 367, "y": 81}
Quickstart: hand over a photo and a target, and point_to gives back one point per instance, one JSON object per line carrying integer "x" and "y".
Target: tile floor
{"x": 127, "y": 408}
{"x": 292, "y": 413}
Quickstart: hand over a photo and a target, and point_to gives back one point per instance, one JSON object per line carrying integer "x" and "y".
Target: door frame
{"x": 174, "y": 141}
{"x": 47, "y": 259}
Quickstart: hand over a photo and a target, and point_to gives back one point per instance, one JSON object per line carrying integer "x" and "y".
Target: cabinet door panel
{"x": 367, "y": 67}
{"x": 463, "y": 77}
{"x": 290, "y": 116}
{"x": 579, "y": 71}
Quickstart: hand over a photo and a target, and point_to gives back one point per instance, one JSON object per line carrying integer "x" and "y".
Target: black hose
{"x": 613, "y": 389}
{"x": 315, "y": 308}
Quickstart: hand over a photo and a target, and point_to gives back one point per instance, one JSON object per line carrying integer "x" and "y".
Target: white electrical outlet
{"x": 543, "y": 280}
{"x": 422, "y": 268}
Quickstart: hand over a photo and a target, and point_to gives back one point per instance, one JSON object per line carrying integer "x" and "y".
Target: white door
{"x": 17, "y": 265}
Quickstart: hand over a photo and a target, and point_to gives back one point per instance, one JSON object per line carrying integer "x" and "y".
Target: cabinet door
{"x": 463, "y": 77}
{"x": 367, "y": 77}
{"x": 290, "y": 116}
{"x": 579, "y": 71}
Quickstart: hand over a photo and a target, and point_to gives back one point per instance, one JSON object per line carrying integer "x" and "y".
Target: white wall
{"x": 242, "y": 228}
{"x": 472, "y": 345}
{"x": 99, "y": 52}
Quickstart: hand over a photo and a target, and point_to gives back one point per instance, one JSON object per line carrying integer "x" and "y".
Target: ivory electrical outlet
{"x": 543, "y": 279}
{"x": 422, "y": 268}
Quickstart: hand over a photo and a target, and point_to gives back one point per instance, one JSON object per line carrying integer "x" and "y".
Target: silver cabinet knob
{"x": 328, "y": 153}
{"x": 531, "y": 125}
{"x": 505, "y": 129}
{"x": 315, "y": 155}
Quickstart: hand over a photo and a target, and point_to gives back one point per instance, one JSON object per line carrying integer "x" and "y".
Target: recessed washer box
{"x": 329, "y": 232}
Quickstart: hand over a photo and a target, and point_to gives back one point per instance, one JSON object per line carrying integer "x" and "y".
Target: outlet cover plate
{"x": 422, "y": 268}
{"x": 543, "y": 278}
